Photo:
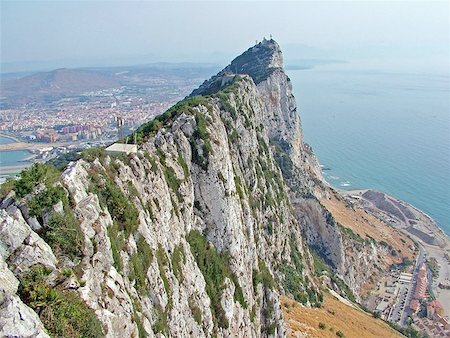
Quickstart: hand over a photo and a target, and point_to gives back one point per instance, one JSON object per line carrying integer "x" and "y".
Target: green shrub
{"x": 234, "y": 136}
{"x": 293, "y": 283}
{"x": 67, "y": 273}
{"x": 162, "y": 262}
{"x": 201, "y": 133}
{"x": 214, "y": 267}
{"x": 37, "y": 173}
{"x": 141, "y": 330}
{"x": 221, "y": 177}
{"x": 46, "y": 199}
{"x": 320, "y": 265}
{"x": 239, "y": 190}
{"x": 161, "y": 324}
{"x": 6, "y": 187}
{"x": 122, "y": 211}
{"x": 173, "y": 181}
{"x": 322, "y": 326}
{"x": 91, "y": 154}
{"x": 262, "y": 276}
{"x": 151, "y": 128}
{"x": 64, "y": 235}
{"x": 117, "y": 239}
{"x": 63, "y": 313}
{"x": 195, "y": 310}
{"x": 178, "y": 258}
{"x": 340, "y": 334}
{"x": 183, "y": 165}
{"x": 253, "y": 313}
{"x": 140, "y": 262}
{"x": 351, "y": 234}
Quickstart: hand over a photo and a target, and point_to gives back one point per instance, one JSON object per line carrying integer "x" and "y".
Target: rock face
{"x": 198, "y": 233}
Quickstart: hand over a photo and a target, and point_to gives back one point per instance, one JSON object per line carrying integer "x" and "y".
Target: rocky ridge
{"x": 197, "y": 234}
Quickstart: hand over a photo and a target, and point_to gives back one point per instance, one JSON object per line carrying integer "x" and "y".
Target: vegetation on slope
{"x": 149, "y": 129}
{"x": 63, "y": 312}
{"x": 62, "y": 232}
{"x": 215, "y": 268}
{"x": 321, "y": 267}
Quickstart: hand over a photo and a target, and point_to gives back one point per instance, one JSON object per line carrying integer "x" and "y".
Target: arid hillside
{"x": 331, "y": 319}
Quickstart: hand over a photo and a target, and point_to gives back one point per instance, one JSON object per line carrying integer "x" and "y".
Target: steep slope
{"x": 192, "y": 236}
{"x": 196, "y": 234}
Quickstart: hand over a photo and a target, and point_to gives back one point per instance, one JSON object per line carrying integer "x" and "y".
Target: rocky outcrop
{"x": 196, "y": 234}
{"x": 17, "y": 319}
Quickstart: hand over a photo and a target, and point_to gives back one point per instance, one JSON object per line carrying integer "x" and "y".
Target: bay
{"x": 13, "y": 157}
{"x": 385, "y": 131}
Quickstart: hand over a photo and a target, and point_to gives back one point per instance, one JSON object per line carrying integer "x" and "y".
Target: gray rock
{"x": 18, "y": 320}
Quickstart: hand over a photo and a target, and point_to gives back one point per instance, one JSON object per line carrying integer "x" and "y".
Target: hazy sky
{"x": 69, "y": 34}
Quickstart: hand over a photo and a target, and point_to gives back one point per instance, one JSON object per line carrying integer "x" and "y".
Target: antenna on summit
{"x": 270, "y": 36}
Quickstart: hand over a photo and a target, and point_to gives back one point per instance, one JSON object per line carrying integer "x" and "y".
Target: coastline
{"x": 422, "y": 228}
{"x": 15, "y": 139}
{"x": 11, "y": 170}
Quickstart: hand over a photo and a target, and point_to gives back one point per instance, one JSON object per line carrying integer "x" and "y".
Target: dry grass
{"x": 304, "y": 322}
{"x": 367, "y": 225}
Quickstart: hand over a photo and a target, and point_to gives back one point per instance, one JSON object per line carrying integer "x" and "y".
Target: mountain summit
{"x": 258, "y": 62}
{"x": 198, "y": 234}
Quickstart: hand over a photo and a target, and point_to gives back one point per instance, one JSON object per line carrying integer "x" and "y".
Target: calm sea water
{"x": 390, "y": 132}
{"x": 11, "y": 158}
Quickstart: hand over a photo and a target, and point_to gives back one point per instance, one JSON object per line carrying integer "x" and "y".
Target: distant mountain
{"x": 56, "y": 84}
{"x": 64, "y": 82}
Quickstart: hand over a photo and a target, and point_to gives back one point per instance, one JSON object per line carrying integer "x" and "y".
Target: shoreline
{"x": 14, "y": 169}
{"x": 431, "y": 220}
{"x": 15, "y": 139}
{"x": 423, "y": 229}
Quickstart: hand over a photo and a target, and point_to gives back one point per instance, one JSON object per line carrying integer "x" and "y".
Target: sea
{"x": 380, "y": 130}
{"x": 14, "y": 157}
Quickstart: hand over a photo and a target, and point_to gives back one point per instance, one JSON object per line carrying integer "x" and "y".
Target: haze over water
{"x": 386, "y": 131}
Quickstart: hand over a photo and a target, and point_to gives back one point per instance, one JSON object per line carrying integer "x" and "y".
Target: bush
{"x": 161, "y": 324}
{"x": 38, "y": 173}
{"x": 172, "y": 180}
{"x": 340, "y": 334}
{"x": 195, "y": 310}
{"x": 64, "y": 235}
{"x": 293, "y": 283}
{"x": 140, "y": 262}
{"x": 178, "y": 258}
{"x": 183, "y": 165}
{"x": 201, "y": 133}
{"x": 91, "y": 154}
{"x": 47, "y": 199}
{"x": 117, "y": 240}
{"x": 151, "y": 128}
{"x": 238, "y": 184}
{"x": 262, "y": 276}
{"x": 63, "y": 313}
{"x": 6, "y": 187}
{"x": 320, "y": 265}
{"x": 214, "y": 267}
{"x": 122, "y": 211}
{"x": 322, "y": 326}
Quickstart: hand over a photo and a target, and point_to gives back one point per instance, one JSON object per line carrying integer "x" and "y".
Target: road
{"x": 420, "y": 259}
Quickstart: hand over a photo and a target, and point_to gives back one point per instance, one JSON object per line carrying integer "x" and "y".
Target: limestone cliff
{"x": 195, "y": 235}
